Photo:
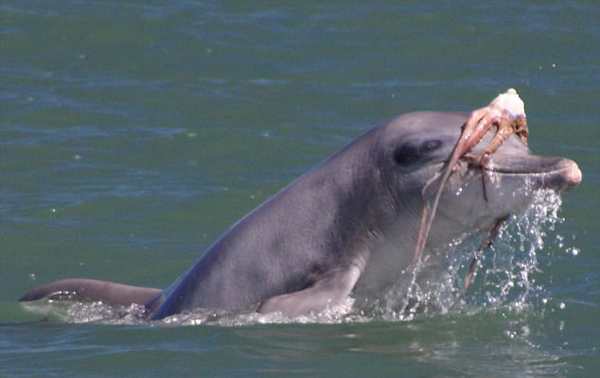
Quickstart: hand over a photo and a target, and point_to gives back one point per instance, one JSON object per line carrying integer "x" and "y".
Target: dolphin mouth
{"x": 548, "y": 172}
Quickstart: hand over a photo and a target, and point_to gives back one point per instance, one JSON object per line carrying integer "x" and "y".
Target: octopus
{"x": 505, "y": 114}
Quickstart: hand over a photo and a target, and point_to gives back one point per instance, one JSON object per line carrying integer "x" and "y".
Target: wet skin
{"x": 348, "y": 226}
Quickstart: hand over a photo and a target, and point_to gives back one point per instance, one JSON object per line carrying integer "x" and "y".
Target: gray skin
{"x": 347, "y": 226}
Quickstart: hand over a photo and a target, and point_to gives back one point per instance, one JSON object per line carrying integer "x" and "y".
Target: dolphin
{"x": 346, "y": 227}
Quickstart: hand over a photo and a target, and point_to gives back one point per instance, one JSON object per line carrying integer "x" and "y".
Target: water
{"x": 133, "y": 135}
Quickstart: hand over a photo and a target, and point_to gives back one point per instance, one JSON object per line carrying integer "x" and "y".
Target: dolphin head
{"x": 414, "y": 148}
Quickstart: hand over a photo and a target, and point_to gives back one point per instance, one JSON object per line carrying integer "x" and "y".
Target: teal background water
{"x": 132, "y": 134}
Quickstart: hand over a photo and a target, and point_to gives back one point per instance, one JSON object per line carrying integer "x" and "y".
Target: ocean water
{"x": 132, "y": 134}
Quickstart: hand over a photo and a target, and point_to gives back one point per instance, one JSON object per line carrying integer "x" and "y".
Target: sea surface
{"x": 133, "y": 134}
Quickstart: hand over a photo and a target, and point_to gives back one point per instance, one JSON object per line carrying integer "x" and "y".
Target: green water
{"x": 133, "y": 134}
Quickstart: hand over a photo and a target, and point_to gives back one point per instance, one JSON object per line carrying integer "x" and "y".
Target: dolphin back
{"x": 86, "y": 290}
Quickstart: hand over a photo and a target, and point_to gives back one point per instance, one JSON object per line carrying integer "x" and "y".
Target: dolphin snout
{"x": 548, "y": 172}
{"x": 563, "y": 175}
{"x": 569, "y": 176}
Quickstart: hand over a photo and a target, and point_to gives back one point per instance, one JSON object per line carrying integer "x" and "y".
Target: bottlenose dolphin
{"x": 348, "y": 226}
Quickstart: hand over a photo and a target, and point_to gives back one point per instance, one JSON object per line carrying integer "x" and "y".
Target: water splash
{"x": 506, "y": 275}
{"x": 503, "y": 280}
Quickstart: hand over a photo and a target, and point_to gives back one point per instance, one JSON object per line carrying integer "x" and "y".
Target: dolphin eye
{"x": 409, "y": 153}
{"x": 406, "y": 155}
